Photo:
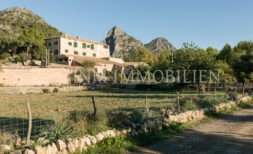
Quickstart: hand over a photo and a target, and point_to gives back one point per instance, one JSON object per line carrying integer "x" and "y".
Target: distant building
{"x": 70, "y": 45}
{"x": 72, "y": 51}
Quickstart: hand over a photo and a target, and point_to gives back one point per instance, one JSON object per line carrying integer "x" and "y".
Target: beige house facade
{"x": 72, "y": 51}
{"x": 70, "y": 45}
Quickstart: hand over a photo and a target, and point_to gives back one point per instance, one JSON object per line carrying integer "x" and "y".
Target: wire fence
{"x": 49, "y": 108}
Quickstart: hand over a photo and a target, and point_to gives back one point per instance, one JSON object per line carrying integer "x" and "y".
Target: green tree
{"x": 163, "y": 61}
{"x": 87, "y": 65}
{"x": 144, "y": 55}
{"x": 243, "y": 68}
{"x": 226, "y": 54}
{"x": 190, "y": 58}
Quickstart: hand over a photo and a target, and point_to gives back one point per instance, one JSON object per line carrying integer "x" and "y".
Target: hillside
{"x": 20, "y": 26}
{"x": 157, "y": 45}
{"x": 121, "y": 44}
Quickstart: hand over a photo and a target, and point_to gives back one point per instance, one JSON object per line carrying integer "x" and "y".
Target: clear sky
{"x": 205, "y": 22}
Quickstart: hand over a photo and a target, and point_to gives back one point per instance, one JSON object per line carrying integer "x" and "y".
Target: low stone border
{"x": 197, "y": 115}
{"x": 27, "y": 90}
{"x": 83, "y": 143}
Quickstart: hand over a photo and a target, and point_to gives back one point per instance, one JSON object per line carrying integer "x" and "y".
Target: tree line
{"x": 235, "y": 64}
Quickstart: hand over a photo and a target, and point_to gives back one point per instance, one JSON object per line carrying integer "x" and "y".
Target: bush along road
{"x": 225, "y": 133}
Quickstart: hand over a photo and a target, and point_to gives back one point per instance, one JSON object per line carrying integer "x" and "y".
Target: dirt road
{"x": 230, "y": 134}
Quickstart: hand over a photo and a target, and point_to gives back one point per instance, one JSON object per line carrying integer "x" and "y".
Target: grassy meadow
{"x": 115, "y": 107}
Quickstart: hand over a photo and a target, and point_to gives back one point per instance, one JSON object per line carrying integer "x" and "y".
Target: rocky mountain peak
{"x": 15, "y": 14}
{"x": 121, "y": 44}
{"x": 157, "y": 45}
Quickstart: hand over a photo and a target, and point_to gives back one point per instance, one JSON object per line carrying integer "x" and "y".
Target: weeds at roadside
{"x": 129, "y": 143}
{"x": 59, "y": 130}
{"x": 46, "y": 91}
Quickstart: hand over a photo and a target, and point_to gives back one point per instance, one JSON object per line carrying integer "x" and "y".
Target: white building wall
{"x": 99, "y": 51}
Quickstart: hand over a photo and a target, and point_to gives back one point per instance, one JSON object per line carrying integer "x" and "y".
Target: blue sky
{"x": 205, "y": 22}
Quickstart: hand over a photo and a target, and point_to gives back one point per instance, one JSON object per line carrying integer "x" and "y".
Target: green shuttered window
{"x": 92, "y": 46}
{"x": 84, "y": 45}
{"x": 75, "y": 44}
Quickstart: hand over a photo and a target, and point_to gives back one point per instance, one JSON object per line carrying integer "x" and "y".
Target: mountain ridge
{"x": 123, "y": 45}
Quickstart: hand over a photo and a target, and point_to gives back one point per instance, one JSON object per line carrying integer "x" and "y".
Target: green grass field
{"x": 59, "y": 104}
{"x": 56, "y": 107}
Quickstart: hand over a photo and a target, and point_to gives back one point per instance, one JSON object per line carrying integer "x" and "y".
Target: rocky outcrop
{"x": 159, "y": 44}
{"x": 121, "y": 44}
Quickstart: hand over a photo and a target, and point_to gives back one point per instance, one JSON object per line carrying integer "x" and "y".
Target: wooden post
{"x": 146, "y": 103}
{"x": 178, "y": 102}
{"x": 215, "y": 90}
{"x": 30, "y": 124}
{"x": 46, "y": 57}
{"x": 94, "y": 107}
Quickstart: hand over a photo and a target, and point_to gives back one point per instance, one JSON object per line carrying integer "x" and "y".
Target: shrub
{"x": 59, "y": 130}
{"x": 190, "y": 106}
{"x": 83, "y": 122}
{"x": 56, "y": 90}
{"x": 4, "y": 55}
{"x": 17, "y": 58}
{"x": 112, "y": 145}
{"x": 232, "y": 95}
{"x": 189, "y": 103}
{"x": 45, "y": 91}
{"x": 247, "y": 104}
{"x": 24, "y": 57}
{"x": 117, "y": 119}
{"x": 6, "y": 138}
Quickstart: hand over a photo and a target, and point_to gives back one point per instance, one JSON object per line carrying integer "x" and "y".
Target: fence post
{"x": 146, "y": 103}
{"x": 29, "y": 124}
{"x": 178, "y": 102}
{"x": 94, "y": 107}
{"x": 215, "y": 90}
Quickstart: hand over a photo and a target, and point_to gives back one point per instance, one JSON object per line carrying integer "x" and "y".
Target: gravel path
{"x": 230, "y": 134}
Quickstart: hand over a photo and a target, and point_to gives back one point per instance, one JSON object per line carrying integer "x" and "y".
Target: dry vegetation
{"x": 48, "y": 105}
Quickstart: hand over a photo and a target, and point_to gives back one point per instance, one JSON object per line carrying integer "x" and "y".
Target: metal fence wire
{"x": 49, "y": 108}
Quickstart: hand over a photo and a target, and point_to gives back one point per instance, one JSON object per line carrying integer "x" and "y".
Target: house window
{"x": 94, "y": 55}
{"x": 56, "y": 52}
{"x": 84, "y": 53}
{"x": 70, "y": 43}
{"x": 66, "y": 51}
{"x": 49, "y": 44}
{"x": 105, "y": 46}
{"x": 75, "y": 44}
{"x": 88, "y": 46}
{"x": 76, "y": 52}
{"x": 92, "y": 46}
{"x": 84, "y": 45}
{"x": 55, "y": 42}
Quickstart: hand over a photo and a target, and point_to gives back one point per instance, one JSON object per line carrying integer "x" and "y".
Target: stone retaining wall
{"x": 196, "y": 115}
{"x": 26, "y": 90}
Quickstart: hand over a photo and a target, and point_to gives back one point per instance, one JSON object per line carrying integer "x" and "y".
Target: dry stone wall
{"x": 196, "y": 115}
{"x": 28, "y": 90}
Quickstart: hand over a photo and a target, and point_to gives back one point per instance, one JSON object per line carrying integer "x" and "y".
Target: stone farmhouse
{"x": 72, "y": 51}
